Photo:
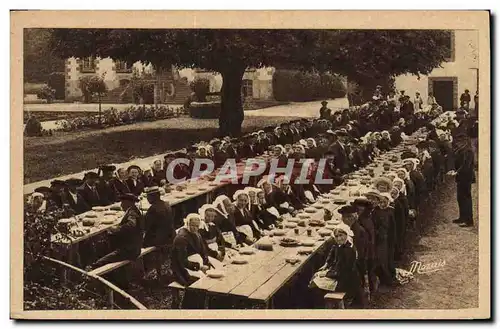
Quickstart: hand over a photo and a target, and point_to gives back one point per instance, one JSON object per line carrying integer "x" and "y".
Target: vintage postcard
{"x": 250, "y": 165}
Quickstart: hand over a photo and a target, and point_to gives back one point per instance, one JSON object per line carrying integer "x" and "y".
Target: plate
{"x": 215, "y": 274}
{"x": 107, "y": 221}
{"x": 308, "y": 243}
{"x": 110, "y": 213}
{"x": 190, "y": 192}
{"x": 202, "y": 188}
{"x": 304, "y": 216}
{"x": 91, "y": 214}
{"x": 289, "y": 242}
{"x": 180, "y": 196}
{"x": 247, "y": 251}
{"x": 294, "y": 220}
{"x": 239, "y": 261}
{"x": 291, "y": 225}
{"x": 310, "y": 210}
{"x": 324, "y": 232}
{"x": 325, "y": 201}
{"x": 279, "y": 232}
{"x": 305, "y": 250}
{"x": 98, "y": 208}
{"x": 335, "y": 192}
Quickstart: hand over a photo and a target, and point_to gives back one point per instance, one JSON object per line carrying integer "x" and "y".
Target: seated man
{"x": 126, "y": 238}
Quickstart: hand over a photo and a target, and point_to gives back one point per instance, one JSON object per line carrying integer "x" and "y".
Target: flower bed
{"x": 113, "y": 117}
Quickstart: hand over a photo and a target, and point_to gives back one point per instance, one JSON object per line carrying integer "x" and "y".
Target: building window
{"x": 450, "y": 46}
{"x": 247, "y": 88}
{"x": 88, "y": 65}
{"x": 122, "y": 67}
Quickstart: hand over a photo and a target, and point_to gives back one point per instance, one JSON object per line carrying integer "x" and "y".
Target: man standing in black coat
{"x": 159, "y": 225}
{"x": 464, "y": 177}
{"x": 89, "y": 190}
{"x": 339, "y": 150}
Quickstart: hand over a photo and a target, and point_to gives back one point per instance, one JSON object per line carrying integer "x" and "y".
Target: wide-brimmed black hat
{"x": 361, "y": 201}
{"x": 345, "y": 210}
{"x": 91, "y": 175}
{"x": 324, "y": 102}
{"x": 43, "y": 190}
{"x": 152, "y": 190}
{"x": 129, "y": 197}
{"x": 74, "y": 182}
{"x": 107, "y": 168}
{"x": 58, "y": 182}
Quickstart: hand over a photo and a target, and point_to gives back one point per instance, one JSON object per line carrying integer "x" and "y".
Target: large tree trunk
{"x": 231, "y": 115}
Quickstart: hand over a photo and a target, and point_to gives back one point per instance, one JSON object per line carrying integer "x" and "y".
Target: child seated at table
{"x": 340, "y": 272}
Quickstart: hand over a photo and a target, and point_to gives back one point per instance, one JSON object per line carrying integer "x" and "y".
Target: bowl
{"x": 310, "y": 210}
{"x": 292, "y": 260}
{"x": 215, "y": 274}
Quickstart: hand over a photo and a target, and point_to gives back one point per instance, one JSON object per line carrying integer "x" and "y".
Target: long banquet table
{"x": 267, "y": 272}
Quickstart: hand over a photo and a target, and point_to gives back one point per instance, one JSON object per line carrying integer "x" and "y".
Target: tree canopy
{"x": 358, "y": 54}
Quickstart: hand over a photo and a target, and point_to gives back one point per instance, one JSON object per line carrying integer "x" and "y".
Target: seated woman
{"x": 340, "y": 271}
{"x": 211, "y": 233}
{"x": 135, "y": 181}
{"x": 188, "y": 242}
{"x": 244, "y": 220}
{"x": 227, "y": 222}
{"x": 265, "y": 215}
{"x": 384, "y": 144}
{"x": 158, "y": 174}
{"x": 276, "y": 198}
{"x": 36, "y": 204}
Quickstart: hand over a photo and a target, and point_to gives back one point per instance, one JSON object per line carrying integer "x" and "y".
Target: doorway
{"x": 445, "y": 91}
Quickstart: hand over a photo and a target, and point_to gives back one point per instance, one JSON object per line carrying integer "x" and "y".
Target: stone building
{"x": 117, "y": 76}
{"x": 257, "y": 83}
{"x": 460, "y": 71}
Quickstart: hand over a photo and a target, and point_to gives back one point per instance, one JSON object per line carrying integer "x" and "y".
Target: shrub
{"x": 291, "y": 85}
{"x": 201, "y": 87}
{"x": 206, "y": 110}
{"x": 33, "y": 127}
{"x": 46, "y": 93}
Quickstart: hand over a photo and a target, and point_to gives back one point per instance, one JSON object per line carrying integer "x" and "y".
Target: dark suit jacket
{"x": 341, "y": 159}
{"x": 91, "y": 198}
{"x": 80, "y": 206}
{"x": 159, "y": 222}
{"x": 277, "y": 197}
{"x": 136, "y": 189}
{"x": 120, "y": 187}
{"x": 127, "y": 237}
{"x": 107, "y": 192}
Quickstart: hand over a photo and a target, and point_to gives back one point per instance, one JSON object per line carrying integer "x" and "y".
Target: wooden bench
{"x": 176, "y": 288}
{"x": 100, "y": 271}
{"x": 335, "y": 300}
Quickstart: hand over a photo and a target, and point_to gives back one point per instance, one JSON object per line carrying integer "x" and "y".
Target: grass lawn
{"x": 67, "y": 153}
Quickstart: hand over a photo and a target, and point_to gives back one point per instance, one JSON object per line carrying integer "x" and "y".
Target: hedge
{"x": 297, "y": 86}
{"x": 205, "y": 110}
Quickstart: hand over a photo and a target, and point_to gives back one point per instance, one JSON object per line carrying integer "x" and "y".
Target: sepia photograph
{"x": 259, "y": 165}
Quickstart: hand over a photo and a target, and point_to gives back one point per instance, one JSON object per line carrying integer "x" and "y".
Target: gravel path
{"x": 456, "y": 285}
